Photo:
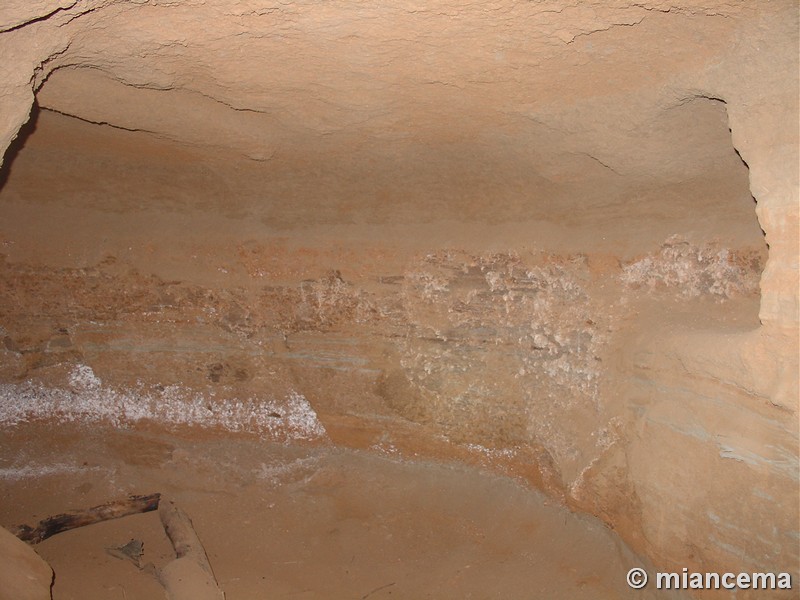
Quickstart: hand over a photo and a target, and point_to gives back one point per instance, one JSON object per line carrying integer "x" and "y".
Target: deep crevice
{"x": 18, "y": 143}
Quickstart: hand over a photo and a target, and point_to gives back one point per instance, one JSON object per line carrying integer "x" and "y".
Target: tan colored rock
{"x": 17, "y": 13}
{"x": 558, "y": 236}
{"x": 23, "y": 574}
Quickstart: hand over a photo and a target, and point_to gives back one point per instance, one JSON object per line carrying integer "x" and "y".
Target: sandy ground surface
{"x": 310, "y": 521}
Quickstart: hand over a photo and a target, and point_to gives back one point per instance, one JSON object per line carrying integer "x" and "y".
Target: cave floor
{"x": 301, "y": 521}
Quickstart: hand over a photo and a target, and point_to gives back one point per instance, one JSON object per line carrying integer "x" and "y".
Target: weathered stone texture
{"x": 527, "y": 234}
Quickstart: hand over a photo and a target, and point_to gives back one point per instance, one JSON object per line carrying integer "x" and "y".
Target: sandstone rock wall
{"x": 513, "y": 233}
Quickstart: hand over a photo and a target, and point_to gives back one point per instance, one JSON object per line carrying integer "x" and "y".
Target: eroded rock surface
{"x": 23, "y": 574}
{"x": 517, "y": 234}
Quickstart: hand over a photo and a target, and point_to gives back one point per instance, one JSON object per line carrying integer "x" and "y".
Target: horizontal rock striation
{"x": 559, "y": 240}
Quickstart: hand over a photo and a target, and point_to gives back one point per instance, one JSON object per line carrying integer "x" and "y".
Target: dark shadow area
{"x": 744, "y": 162}
{"x": 18, "y": 143}
{"x": 755, "y": 202}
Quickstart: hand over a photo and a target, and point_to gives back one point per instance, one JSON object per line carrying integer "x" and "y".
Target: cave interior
{"x": 403, "y": 299}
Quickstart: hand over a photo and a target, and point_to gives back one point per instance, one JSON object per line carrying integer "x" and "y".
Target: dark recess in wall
{"x": 18, "y": 143}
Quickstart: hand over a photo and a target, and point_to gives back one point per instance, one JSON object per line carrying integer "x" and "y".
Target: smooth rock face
{"x": 558, "y": 239}
{"x": 23, "y": 574}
